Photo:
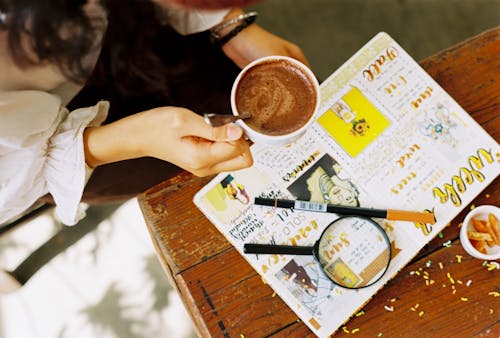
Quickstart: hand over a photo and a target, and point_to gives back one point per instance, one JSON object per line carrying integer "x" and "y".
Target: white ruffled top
{"x": 41, "y": 145}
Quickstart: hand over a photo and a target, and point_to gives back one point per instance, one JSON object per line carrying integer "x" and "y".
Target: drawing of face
{"x": 333, "y": 190}
{"x": 341, "y": 194}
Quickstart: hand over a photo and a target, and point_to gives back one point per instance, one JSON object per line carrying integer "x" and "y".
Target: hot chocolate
{"x": 280, "y": 96}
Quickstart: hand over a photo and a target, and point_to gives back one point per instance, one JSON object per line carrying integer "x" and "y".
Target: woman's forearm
{"x": 112, "y": 142}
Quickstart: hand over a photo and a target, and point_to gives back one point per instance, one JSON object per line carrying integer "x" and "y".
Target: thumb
{"x": 195, "y": 125}
{"x": 227, "y": 132}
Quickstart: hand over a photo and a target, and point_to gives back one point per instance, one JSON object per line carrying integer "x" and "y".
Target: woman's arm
{"x": 254, "y": 42}
{"x": 173, "y": 134}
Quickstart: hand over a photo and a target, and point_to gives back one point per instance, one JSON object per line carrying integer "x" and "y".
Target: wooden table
{"x": 227, "y": 298}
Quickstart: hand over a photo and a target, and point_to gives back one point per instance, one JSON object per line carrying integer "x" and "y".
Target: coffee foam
{"x": 279, "y": 95}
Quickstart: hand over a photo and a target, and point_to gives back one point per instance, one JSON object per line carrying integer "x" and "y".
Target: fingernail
{"x": 233, "y": 132}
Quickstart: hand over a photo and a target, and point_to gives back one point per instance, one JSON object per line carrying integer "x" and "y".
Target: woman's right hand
{"x": 173, "y": 134}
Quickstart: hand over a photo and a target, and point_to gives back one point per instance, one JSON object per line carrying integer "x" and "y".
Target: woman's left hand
{"x": 254, "y": 42}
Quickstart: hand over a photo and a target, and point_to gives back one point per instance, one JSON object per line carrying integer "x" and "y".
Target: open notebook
{"x": 386, "y": 136}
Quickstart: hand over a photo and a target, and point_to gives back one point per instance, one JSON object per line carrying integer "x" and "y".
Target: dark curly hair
{"x": 62, "y": 32}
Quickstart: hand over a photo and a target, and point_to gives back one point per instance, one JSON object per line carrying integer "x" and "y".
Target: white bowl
{"x": 479, "y": 213}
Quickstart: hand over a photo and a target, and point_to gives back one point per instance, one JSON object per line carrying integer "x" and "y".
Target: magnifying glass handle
{"x": 277, "y": 249}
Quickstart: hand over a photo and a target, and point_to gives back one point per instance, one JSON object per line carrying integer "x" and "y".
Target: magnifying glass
{"x": 353, "y": 251}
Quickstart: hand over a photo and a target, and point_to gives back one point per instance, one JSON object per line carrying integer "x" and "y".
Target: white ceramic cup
{"x": 479, "y": 213}
{"x": 275, "y": 140}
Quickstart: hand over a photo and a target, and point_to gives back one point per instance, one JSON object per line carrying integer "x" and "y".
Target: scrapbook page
{"x": 386, "y": 136}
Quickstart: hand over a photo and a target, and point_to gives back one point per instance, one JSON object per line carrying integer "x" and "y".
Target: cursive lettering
{"x": 375, "y": 68}
{"x": 458, "y": 183}
{"x": 299, "y": 168}
{"x": 422, "y": 97}
{"x": 407, "y": 155}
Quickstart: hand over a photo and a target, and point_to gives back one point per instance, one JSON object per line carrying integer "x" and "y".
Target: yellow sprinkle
{"x": 273, "y": 295}
{"x": 464, "y": 299}
{"x": 413, "y": 309}
{"x": 432, "y": 281}
{"x": 426, "y": 277}
{"x": 454, "y": 291}
{"x": 491, "y": 311}
{"x": 355, "y": 330}
{"x": 459, "y": 258}
{"x": 360, "y": 313}
{"x": 494, "y": 293}
{"x": 345, "y": 329}
{"x": 493, "y": 266}
{"x": 421, "y": 313}
{"x": 460, "y": 225}
{"x": 426, "y": 273}
{"x": 393, "y": 300}
{"x": 417, "y": 273}
{"x": 472, "y": 207}
{"x": 242, "y": 335}
{"x": 427, "y": 282}
{"x": 441, "y": 265}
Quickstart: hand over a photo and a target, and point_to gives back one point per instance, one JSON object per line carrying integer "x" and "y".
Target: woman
{"x": 159, "y": 65}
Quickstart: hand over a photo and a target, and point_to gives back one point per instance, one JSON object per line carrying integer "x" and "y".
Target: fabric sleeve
{"x": 65, "y": 170}
{"x": 191, "y": 21}
{"x": 41, "y": 151}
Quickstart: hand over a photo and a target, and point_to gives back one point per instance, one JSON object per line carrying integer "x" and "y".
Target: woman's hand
{"x": 254, "y": 42}
{"x": 176, "y": 135}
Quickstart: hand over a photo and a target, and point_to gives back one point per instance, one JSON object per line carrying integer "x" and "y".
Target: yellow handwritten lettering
{"x": 464, "y": 178}
{"x": 375, "y": 68}
{"x": 423, "y": 96}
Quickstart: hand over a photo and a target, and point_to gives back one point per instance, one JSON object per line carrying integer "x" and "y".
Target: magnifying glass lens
{"x": 354, "y": 252}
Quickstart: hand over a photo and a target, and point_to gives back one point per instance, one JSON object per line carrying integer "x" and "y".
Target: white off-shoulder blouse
{"x": 41, "y": 146}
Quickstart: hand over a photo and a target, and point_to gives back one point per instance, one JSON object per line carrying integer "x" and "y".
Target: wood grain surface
{"x": 227, "y": 298}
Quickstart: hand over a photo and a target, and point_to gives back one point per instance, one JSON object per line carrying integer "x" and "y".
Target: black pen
{"x": 391, "y": 214}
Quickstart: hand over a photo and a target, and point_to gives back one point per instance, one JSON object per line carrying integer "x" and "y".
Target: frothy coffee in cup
{"x": 279, "y": 94}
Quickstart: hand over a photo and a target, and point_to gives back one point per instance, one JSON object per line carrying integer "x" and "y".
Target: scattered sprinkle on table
{"x": 360, "y": 313}
{"x": 464, "y": 299}
{"x": 345, "y": 329}
{"x": 441, "y": 265}
{"x": 440, "y": 235}
{"x": 492, "y": 266}
{"x": 421, "y": 313}
{"x": 389, "y": 308}
{"x": 494, "y": 294}
{"x": 355, "y": 330}
{"x": 459, "y": 258}
{"x": 468, "y": 283}
{"x": 380, "y": 334}
{"x": 447, "y": 244}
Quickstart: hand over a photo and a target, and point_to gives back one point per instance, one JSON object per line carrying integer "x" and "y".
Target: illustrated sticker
{"x": 353, "y": 122}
